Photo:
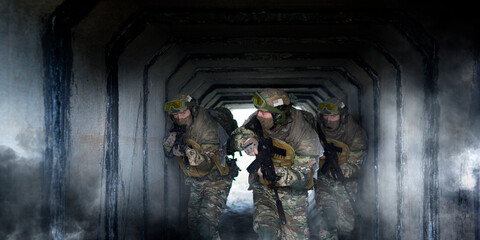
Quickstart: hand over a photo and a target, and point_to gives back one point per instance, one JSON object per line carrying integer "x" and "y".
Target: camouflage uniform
{"x": 208, "y": 194}
{"x": 338, "y": 217}
{"x": 292, "y": 192}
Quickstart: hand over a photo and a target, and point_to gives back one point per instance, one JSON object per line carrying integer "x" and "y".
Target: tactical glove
{"x": 291, "y": 178}
{"x": 194, "y": 158}
{"x": 347, "y": 170}
{"x": 251, "y": 147}
{"x": 169, "y": 141}
{"x": 176, "y": 151}
{"x": 286, "y": 176}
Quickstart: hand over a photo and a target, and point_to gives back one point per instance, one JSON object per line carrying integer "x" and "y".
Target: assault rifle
{"x": 266, "y": 150}
{"x": 331, "y": 162}
{"x": 180, "y": 143}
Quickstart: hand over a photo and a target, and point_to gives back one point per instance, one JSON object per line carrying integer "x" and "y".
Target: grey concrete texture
{"x": 415, "y": 157}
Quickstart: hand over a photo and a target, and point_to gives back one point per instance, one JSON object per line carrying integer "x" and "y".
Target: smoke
{"x": 467, "y": 162}
{"x": 20, "y": 196}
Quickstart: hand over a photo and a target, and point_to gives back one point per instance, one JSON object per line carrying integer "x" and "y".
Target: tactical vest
{"x": 195, "y": 172}
{"x": 342, "y": 156}
{"x": 285, "y": 161}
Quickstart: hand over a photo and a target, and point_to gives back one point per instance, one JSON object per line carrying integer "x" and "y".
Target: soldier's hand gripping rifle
{"x": 263, "y": 159}
{"x": 331, "y": 163}
{"x": 180, "y": 143}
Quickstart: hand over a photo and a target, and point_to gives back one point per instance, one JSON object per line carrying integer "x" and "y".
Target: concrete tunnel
{"x": 84, "y": 83}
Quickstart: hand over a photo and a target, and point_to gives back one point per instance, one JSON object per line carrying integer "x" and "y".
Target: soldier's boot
{"x": 266, "y": 233}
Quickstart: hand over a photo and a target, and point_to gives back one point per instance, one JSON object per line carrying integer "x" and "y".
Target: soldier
{"x": 333, "y": 198}
{"x": 194, "y": 140}
{"x": 287, "y": 128}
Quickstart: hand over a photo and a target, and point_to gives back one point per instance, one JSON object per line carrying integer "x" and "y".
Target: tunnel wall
{"x": 89, "y": 163}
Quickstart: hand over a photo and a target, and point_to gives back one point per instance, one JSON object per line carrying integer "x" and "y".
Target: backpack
{"x": 225, "y": 119}
{"x": 309, "y": 118}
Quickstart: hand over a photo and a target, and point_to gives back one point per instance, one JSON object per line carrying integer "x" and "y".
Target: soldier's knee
{"x": 267, "y": 233}
{"x": 330, "y": 219}
{"x": 205, "y": 229}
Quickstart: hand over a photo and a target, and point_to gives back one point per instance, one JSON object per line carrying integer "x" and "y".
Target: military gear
{"x": 179, "y": 144}
{"x": 263, "y": 159}
{"x": 169, "y": 141}
{"x": 275, "y": 101}
{"x": 265, "y": 214}
{"x": 179, "y": 103}
{"x": 297, "y": 133}
{"x": 250, "y": 145}
{"x": 338, "y": 216}
{"x": 177, "y": 106}
{"x": 332, "y": 106}
{"x": 331, "y": 163}
{"x": 207, "y": 202}
{"x": 224, "y": 117}
{"x": 195, "y": 159}
{"x": 332, "y": 197}
{"x": 209, "y": 180}
{"x": 266, "y": 234}
{"x": 342, "y": 156}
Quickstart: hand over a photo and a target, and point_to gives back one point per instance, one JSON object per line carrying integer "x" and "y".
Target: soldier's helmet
{"x": 332, "y": 106}
{"x": 179, "y": 103}
{"x": 274, "y": 101}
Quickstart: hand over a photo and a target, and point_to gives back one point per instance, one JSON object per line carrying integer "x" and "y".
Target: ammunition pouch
{"x": 195, "y": 172}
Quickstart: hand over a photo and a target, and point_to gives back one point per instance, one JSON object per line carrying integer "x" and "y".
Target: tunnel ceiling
{"x": 227, "y": 54}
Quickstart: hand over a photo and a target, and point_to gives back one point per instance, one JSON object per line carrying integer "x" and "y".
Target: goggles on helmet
{"x": 176, "y": 105}
{"x": 328, "y": 107}
{"x": 260, "y": 102}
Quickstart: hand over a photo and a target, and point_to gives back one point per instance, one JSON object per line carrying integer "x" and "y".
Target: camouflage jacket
{"x": 204, "y": 131}
{"x": 299, "y": 134}
{"x": 355, "y": 137}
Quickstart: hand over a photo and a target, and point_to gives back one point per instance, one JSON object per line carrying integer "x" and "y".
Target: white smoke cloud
{"x": 468, "y": 162}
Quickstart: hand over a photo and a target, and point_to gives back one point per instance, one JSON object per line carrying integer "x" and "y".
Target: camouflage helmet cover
{"x": 180, "y": 97}
{"x": 275, "y": 97}
{"x": 340, "y": 107}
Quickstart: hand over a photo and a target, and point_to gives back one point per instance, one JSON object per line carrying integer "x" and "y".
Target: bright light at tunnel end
{"x": 240, "y": 198}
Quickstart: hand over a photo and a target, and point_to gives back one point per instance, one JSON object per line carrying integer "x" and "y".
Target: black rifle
{"x": 180, "y": 143}
{"x": 266, "y": 150}
{"x": 331, "y": 162}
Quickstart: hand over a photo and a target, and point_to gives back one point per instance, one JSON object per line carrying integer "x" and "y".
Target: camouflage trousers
{"x": 337, "y": 215}
{"x": 207, "y": 201}
{"x": 265, "y": 215}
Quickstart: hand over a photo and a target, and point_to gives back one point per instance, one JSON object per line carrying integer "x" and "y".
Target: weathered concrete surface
{"x": 411, "y": 78}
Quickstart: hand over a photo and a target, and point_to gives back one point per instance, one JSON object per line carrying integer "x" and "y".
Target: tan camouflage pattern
{"x": 354, "y": 137}
{"x": 208, "y": 194}
{"x": 265, "y": 214}
{"x": 299, "y": 134}
{"x": 338, "y": 217}
{"x": 272, "y": 94}
{"x": 207, "y": 201}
